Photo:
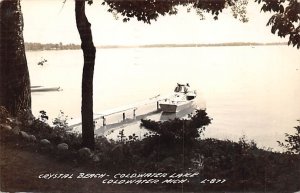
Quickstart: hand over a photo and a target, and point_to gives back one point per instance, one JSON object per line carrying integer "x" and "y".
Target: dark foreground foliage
{"x": 247, "y": 167}
{"x": 242, "y": 164}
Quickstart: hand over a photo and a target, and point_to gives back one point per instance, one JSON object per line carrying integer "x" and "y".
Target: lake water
{"x": 252, "y": 91}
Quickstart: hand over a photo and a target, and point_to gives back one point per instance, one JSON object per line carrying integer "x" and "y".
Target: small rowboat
{"x": 45, "y": 89}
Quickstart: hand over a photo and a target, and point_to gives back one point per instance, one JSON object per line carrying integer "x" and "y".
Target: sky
{"x": 51, "y": 21}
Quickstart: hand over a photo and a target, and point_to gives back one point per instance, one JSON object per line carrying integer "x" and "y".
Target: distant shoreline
{"x": 193, "y": 45}
{"x": 60, "y": 46}
{"x": 33, "y": 46}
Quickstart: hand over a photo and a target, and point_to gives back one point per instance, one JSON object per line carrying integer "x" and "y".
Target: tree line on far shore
{"x": 50, "y": 46}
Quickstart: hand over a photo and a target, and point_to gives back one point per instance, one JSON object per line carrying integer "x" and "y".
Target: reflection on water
{"x": 252, "y": 92}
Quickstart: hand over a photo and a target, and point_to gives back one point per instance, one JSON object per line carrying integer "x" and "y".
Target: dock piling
{"x": 104, "y": 121}
{"x": 134, "y": 115}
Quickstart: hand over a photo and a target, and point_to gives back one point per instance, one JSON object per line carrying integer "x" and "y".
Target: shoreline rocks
{"x": 45, "y": 142}
{"x": 16, "y": 130}
{"x": 6, "y": 127}
{"x": 62, "y": 147}
{"x": 85, "y": 153}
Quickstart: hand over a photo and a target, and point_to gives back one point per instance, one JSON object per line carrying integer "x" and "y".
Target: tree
{"x": 15, "y": 93}
{"x": 89, "y": 54}
{"x": 286, "y": 20}
{"x": 149, "y": 10}
{"x": 292, "y": 142}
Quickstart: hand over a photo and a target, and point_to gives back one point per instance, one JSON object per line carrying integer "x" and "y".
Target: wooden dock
{"x": 124, "y": 110}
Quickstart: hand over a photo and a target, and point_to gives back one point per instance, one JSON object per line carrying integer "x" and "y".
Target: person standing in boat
{"x": 186, "y": 88}
{"x": 178, "y": 88}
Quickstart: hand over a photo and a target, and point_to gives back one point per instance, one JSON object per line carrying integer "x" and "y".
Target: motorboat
{"x": 182, "y": 98}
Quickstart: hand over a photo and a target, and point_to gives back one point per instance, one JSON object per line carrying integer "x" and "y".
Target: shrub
{"x": 61, "y": 121}
{"x": 292, "y": 141}
{"x": 180, "y": 129}
{"x": 3, "y": 115}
